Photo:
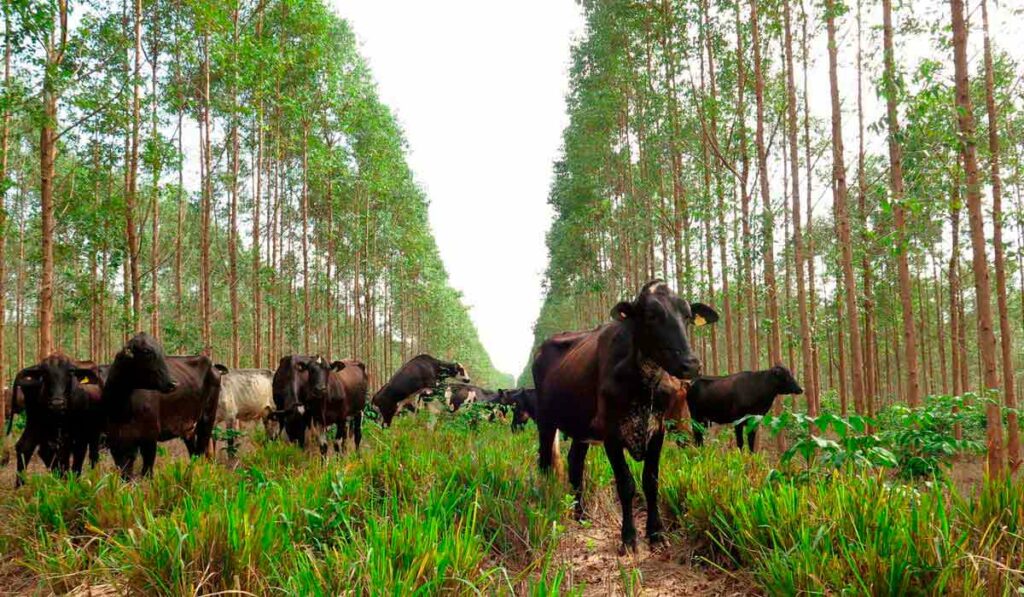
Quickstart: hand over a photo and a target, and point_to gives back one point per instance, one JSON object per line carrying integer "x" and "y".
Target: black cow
{"x": 725, "y": 400}
{"x": 341, "y": 401}
{"x": 296, "y": 380}
{"x": 522, "y": 401}
{"x": 62, "y": 413}
{"x": 456, "y": 395}
{"x": 420, "y": 375}
{"x": 149, "y": 398}
{"x": 619, "y": 365}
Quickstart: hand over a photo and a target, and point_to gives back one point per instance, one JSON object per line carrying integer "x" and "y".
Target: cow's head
{"x": 521, "y": 410}
{"x": 784, "y": 381}
{"x": 54, "y": 381}
{"x": 453, "y": 371}
{"x": 143, "y": 363}
{"x": 660, "y": 321}
{"x": 317, "y": 371}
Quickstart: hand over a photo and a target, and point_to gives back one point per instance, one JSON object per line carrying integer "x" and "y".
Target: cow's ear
{"x": 703, "y": 314}
{"x": 220, "y": 368}
{"x": 337, "y": 366}
{"x": 86, "y": 375}
{"x": 29, "y": 376}
{"x": 622, "y": 311}
{"x": 301, "y": 366}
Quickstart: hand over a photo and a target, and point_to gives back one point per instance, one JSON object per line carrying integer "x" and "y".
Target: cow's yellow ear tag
{"x": 698, "y": 320}
{"x": 85, "y": 380}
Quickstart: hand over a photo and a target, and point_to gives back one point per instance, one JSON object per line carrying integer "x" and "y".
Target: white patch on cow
{"x": 471, "y": 396}
{"x": 448, "y": 394}
{"x": 302, "y": 409}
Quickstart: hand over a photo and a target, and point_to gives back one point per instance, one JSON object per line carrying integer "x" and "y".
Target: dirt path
{"x": 589, "y": 551}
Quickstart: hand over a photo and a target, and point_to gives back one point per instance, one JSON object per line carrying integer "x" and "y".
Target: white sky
{"x": 479, "y": 88}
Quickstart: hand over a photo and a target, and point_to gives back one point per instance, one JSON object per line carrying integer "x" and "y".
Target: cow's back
{"x": 566, "y": 373}
{"x": 355, "y": 381}
{"x": 246, "y": 395}
{"x": 178, "y": 413}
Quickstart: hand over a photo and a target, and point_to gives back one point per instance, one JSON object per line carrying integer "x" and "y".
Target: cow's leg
{"x": 124, "y": 459}
{"x": 321, "y": 437}
{"x": 340, "y": 436}
{"x": 94, "y": 450}
{"x": 148, "y": 449}
{"x": 23, "y": 451}
{"x": 698, "y": 432}
{"x": 79, "y": 447}
{"x": 231, "y": 426}
{"x": 577, "y": 460}
{"x": 652, "y": 462}
{"x": 546, "y": 454}
{"x": 739, "y": 435}
{"x": 626, "y": 488}
{"x": 357, "y": 429}
{"x": 751, "y": 437}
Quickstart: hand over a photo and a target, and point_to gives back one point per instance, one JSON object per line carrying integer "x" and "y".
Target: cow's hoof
{"x": 627, "y": 547}
{"x": 656, "y": 539}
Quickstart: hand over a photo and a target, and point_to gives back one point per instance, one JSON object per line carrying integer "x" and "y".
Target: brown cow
{"x": 621, "y": 364}
{"x": 418, "y": 376}
{"x": 150, "y": 398}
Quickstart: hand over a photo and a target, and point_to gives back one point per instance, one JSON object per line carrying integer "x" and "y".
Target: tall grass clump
{"x": 852, "y": 531}
{"x": 457, "y": 509}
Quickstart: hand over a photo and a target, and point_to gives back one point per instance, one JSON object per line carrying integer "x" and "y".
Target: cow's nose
{"x": 691, "y": 366}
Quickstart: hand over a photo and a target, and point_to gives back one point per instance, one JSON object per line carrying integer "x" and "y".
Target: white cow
{"x": 245, "y": 395}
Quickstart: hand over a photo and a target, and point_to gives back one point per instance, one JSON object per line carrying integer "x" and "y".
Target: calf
{"x": 149, "y": 398}
{"x": 725, "y": 400}
{"x": 618, "y": 365}
{"x": 245, "y": 395}
{"x": 418, "y": 376}
{"x": 62, "y": 413}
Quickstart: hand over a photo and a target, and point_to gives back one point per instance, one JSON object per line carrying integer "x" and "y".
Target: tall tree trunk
{"x": 154, "y": 249}
{"x": 236, "y": 346}
{"x": 207, "y": 201}
{"x": 775, "y": 347}
{"x": 868, "y": 339}
{"x": 982, "y": 290}
{"x": 307, "y": 328}
{"x": 132, "y": 176}
{"x": 47, "y": 164}
{"x": 5, "y": 120}
{"x": 798, "y": 251}
{"x": 841, "y": 195}
{"x": 746, "y": 258}
{"x": 896, "y": 188}
{"x": 995, "y": 178}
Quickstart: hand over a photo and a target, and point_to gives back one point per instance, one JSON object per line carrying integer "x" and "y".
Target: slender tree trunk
{"x": 204, "y": 229}
{"x": 236, "y": 346}
{"x": 747, "y": 258}
{"x": 47, "y": 164}
{"x": 154, "y": 249}
{"x": 5, "y": 120}
{"x": 841, "y": 195}
{"x": 798, "y": 251}
{"x": 913, "y": 386}
{"x": 983, "y": 292}
{"x": 868, "y": 339}
{"x": 775, "y": 348}
{"x": 305, "y": 239}
{"x": 132, "y": 176}
{"x": 995, "y": 178}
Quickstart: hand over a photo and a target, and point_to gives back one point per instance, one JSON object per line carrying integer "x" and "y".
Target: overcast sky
{"x": 479, "y": 88}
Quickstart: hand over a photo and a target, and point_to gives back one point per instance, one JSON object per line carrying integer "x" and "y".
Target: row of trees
{"x": 219, "y": 173}
{"x": 698, "y": 152}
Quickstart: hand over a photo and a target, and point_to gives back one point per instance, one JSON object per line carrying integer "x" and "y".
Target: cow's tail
{"x": 550, "y": 458}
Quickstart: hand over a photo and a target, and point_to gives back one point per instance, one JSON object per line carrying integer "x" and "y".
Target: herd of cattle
{"x": 616, "y": 384}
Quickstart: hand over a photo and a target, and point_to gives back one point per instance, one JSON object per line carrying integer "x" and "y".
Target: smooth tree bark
{"x": 975, "y": 218}
{"x": 996, "y": 181}
{"x": 775, "y": 345}
{"x": 132, "y": 173}
{"x": 798, "y": 245}
{"x": 842, "y": 214}
{"x": 913, "y": 384}
{"x": 55, "y": 45}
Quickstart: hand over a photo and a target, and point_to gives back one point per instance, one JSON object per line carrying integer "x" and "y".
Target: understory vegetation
{"x": 453, "y": 503}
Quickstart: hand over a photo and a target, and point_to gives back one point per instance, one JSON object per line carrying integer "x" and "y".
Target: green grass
{"x": 460, "y": 509}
